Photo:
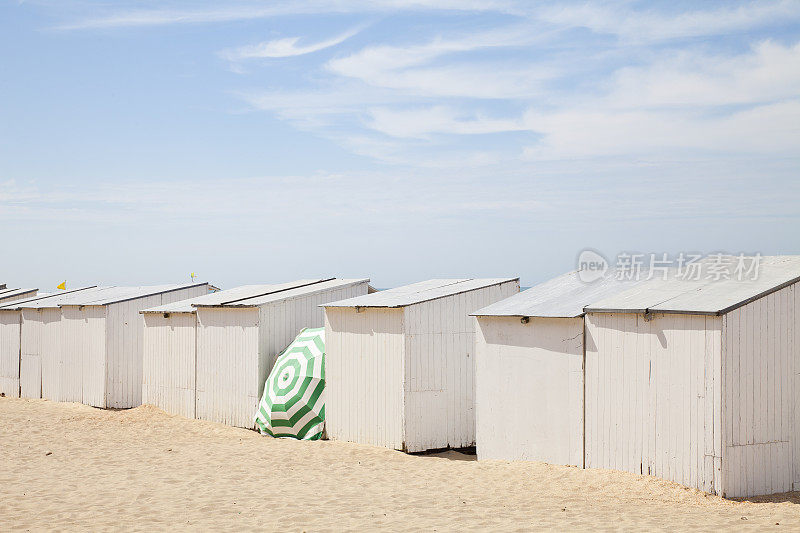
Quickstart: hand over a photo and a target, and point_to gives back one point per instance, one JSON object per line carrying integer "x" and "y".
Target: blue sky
{"x": 394, "y": 139}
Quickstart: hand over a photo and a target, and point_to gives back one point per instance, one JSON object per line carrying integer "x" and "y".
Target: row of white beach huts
{"x": 693, "y": 380}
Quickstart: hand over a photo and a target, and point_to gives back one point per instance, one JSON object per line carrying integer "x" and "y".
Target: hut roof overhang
{"x": 42, "y": 300}
{"x": 562, "y": 297}
{"x": 416, "y": 293}
{"x": 250, "y": 296}
{"x": 703, "y": 296}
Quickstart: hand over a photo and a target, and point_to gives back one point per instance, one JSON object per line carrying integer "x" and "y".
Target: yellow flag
{"x": 62, "y": 285}
{"x": 192, "y": 275}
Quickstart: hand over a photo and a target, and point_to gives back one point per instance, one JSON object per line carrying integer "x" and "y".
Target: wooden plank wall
{"x": 281, "y": 321}
{"x": 124, "y": 336}
{"x": 168, "y": 362}
{"x": 124, "y": 332}
{"x": 653, "y": 396}
{"x": 364, "y": 366}
{"x": 227, "y": 365}
{"x": 42, "y": 338}
{"x": 83, "y": 355}
{"x": 760, "y": 354}
{"x": 529, "y": 389}
{"x": 32, "y": 339}
{"x": 10, "y": 353}
{"x": 440, "y": 368}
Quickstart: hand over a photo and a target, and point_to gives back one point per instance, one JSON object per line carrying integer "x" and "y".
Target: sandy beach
{"x": 69, "y": 466}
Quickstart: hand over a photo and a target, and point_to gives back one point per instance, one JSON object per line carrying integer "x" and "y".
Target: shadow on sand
{"x": 458, "y": 454}
{"x": 781, "y": 497}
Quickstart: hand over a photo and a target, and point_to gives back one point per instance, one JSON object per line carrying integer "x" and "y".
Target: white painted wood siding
{"x": 84, "y": 354}
{"x": 364, "y": 374}
{"x": 529, "y": 389}
{"x": 124, "y": 331}
{"x": 760, "y": 355}
{"x": 280, "y": 322}
{"x": 32, "y": 343}
{"x": 440, "y": 368}
{"x": 227, "y": 365}
{"x": 168, "y": 366}
{"x": 653, "y": 396}
{"x": 30, "y": 368}
{"x": 46, "y": 325}
{"x": 9, "y": 353}
{"x": 40, "y": 353}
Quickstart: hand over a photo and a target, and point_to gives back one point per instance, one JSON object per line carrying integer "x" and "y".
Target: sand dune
{"x": 69, "y": 466}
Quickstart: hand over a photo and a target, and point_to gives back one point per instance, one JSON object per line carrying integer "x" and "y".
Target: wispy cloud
{"x": 411, "y": 68}
{"x": 286, "y": 47}
{"x": 122, "y": 18}
{"x": 674, "y": 102}
{"x": 421, "y": 122}
{"x": 769, "y": 72}
{"x": 624, "y": 20}
{"x": 745, "y": 103}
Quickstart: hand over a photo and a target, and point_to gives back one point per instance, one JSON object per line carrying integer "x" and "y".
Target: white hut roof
{"x": 13, "y": 293}
{"x": 703, "y": 296}
{"x": 41, "y": 300}
{"x": 296, "y": 292}
{"x": 415, "y": 293}
{"x": 221, "y": 299}
{"x": 113, "y": 295}
{"x": 100, "y": 295}
{"x": 185, "y": 306}
{"x": 561, "y": 297}
{"x": 254, "y": 295}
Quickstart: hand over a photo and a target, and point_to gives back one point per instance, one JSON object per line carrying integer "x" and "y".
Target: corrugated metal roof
{"x": 46, "y": 301}
{"x": 415, "y": 293}
{"x": 220, "y": 298}
{"x": 297, "y": 292}
{"x": 255, "y": 295}
{"x": 112, "y": 295}
{"x": 561, "y": 297}
{"x": 703, "y": 296}
{"x": 225, "y": 300}
{"x": 98, "y": 296}
{"x": 13, "y": 293}
{"x": 185, "y": 306}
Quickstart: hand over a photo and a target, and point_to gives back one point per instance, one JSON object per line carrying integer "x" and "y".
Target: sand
{"x": 69, "y": 466}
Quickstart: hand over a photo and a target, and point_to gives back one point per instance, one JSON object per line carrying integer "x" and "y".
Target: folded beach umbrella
{"x": 292, "y": 403}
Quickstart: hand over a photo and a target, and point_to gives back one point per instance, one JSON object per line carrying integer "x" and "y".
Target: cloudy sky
{"x": 393, "y": 139}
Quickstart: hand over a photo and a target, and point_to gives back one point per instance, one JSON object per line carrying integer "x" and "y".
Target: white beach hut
{"x": 208, "y": 358}
{"x": 87, "y": 344}
{"x": 400, "y": 365}
{"x": 12, "y": 361}
{"x": 697, "y": 381}
{"x": 529, "y": 351}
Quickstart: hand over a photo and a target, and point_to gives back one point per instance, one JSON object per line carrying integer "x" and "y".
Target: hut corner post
{"x": 583, "y": 406}
{"x": 19, "y": 358}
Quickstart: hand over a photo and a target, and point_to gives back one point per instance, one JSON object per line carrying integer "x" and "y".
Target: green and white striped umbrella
{"x": 292, "y": 403}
